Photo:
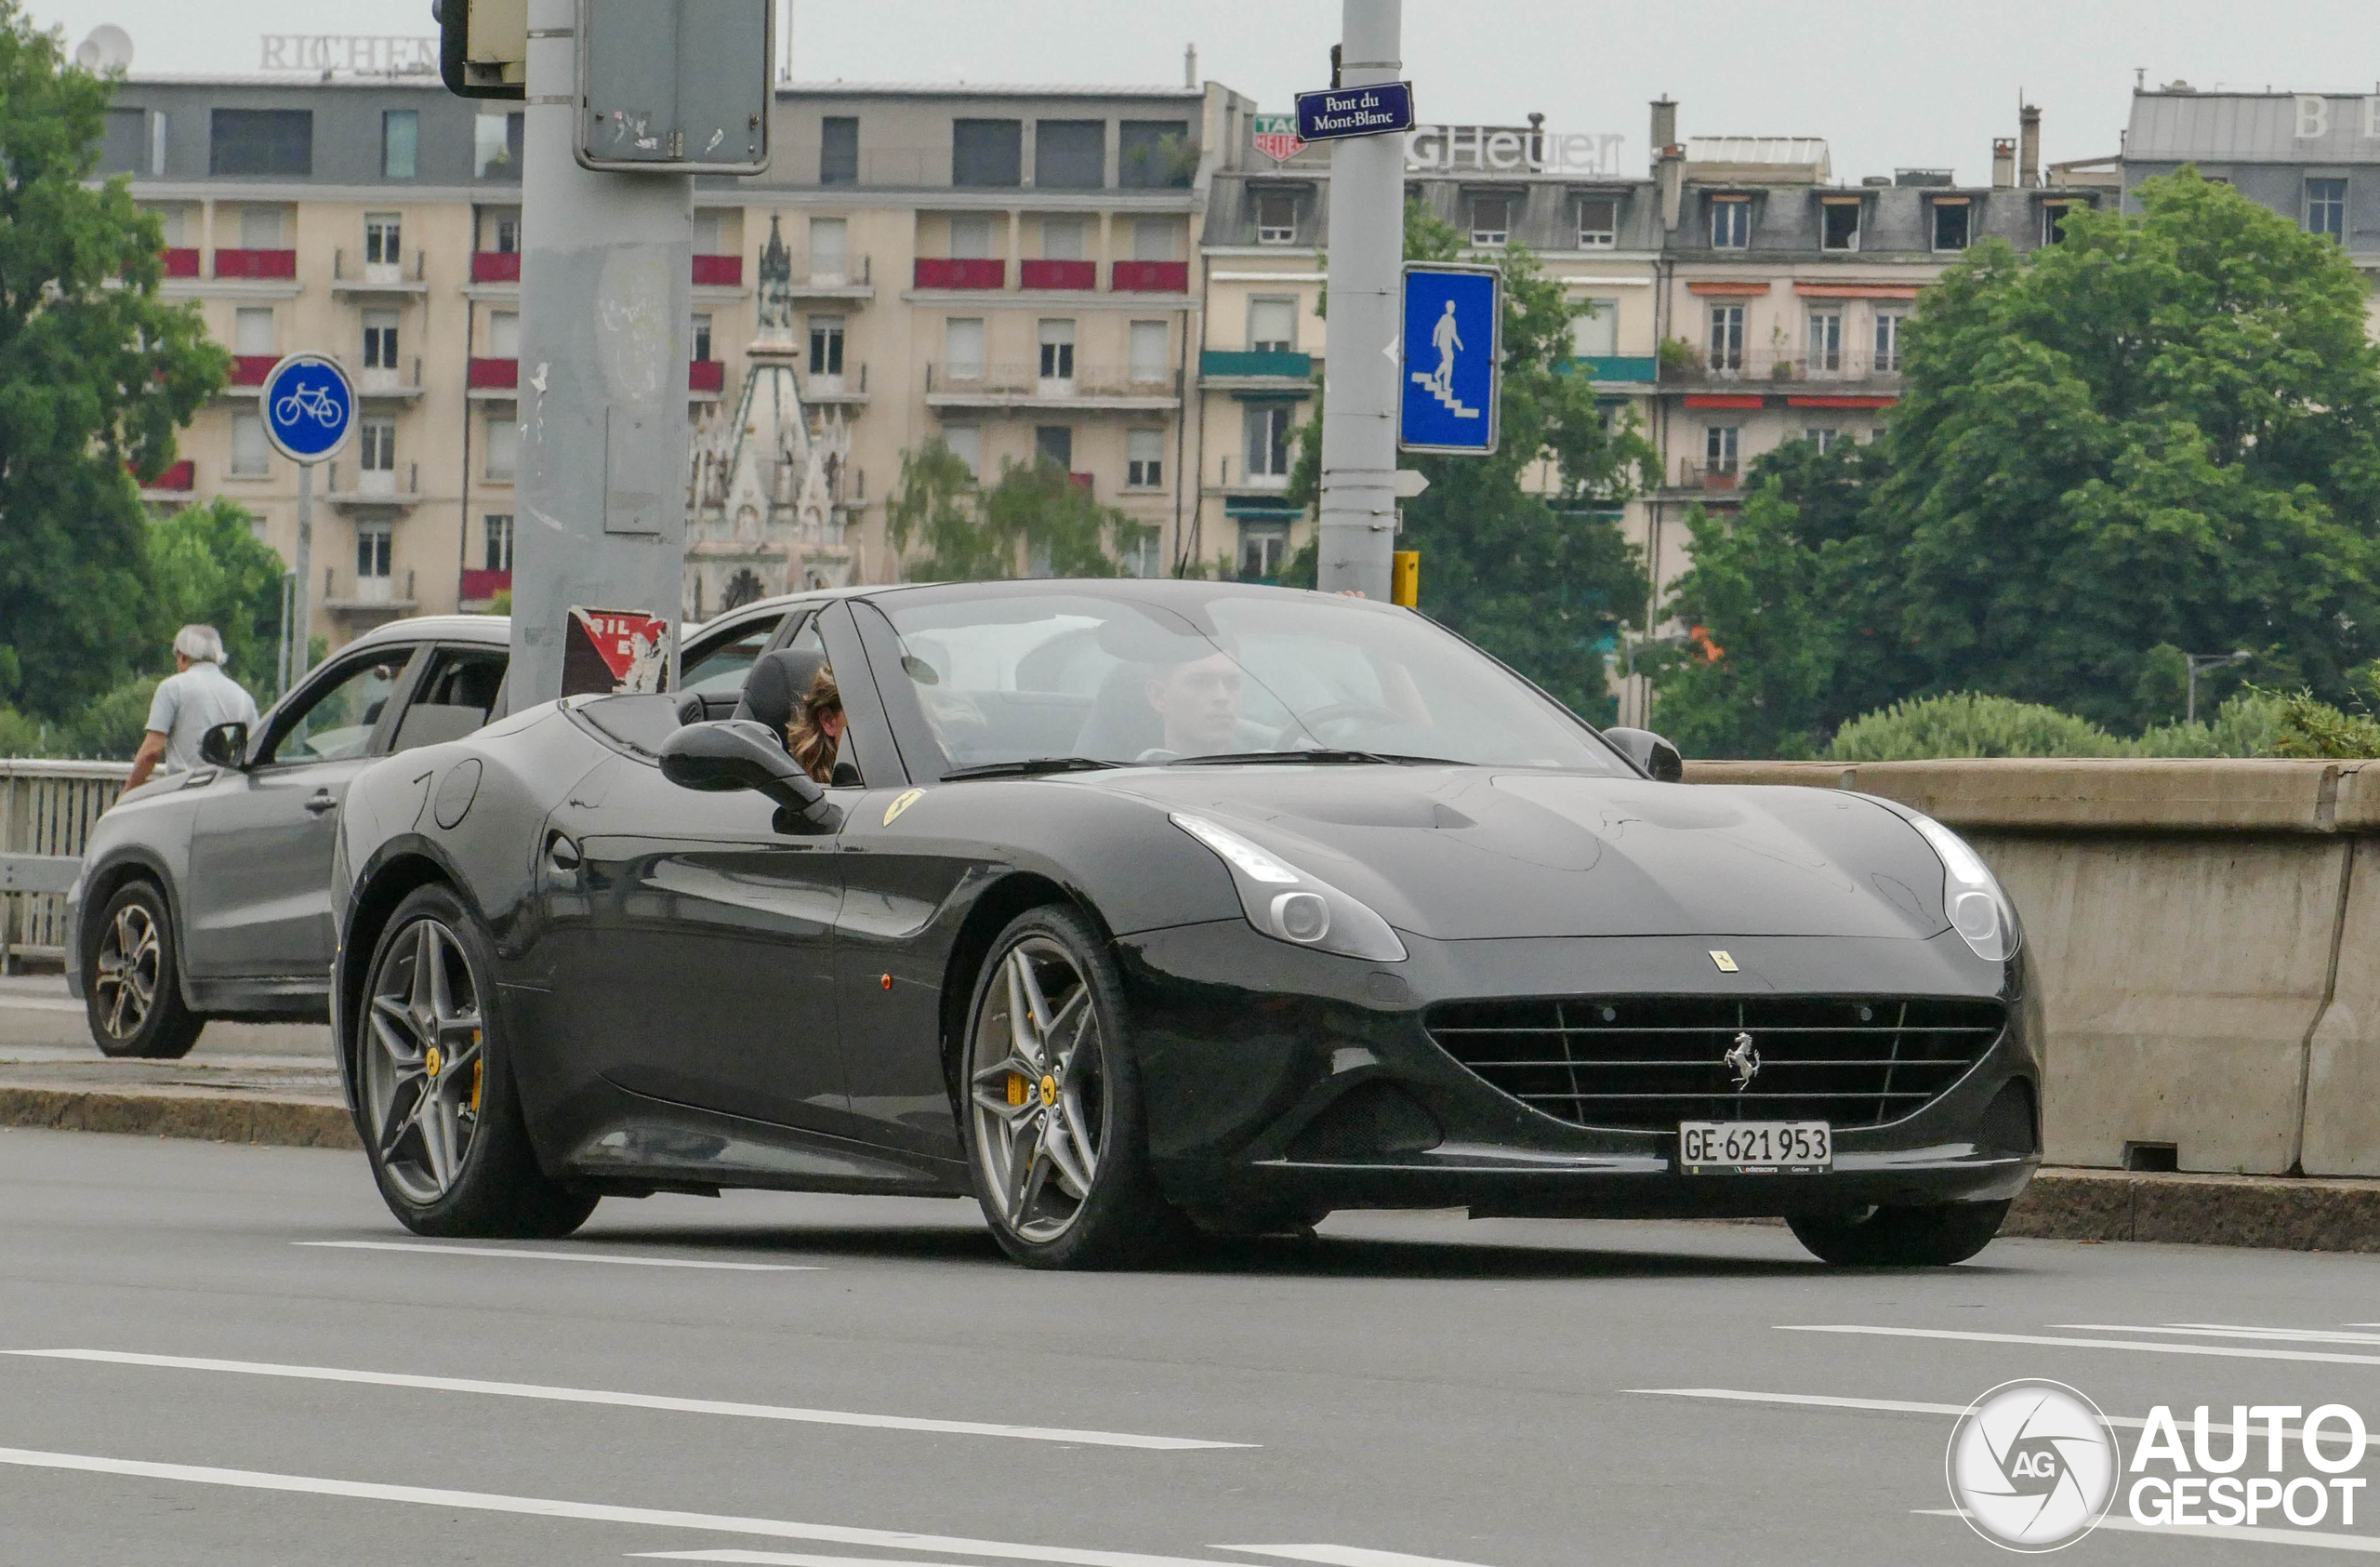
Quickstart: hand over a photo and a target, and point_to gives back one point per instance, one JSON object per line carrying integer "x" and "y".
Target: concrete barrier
{"x": 2205, "y": 933}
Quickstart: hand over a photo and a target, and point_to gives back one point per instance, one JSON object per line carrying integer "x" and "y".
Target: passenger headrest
{"x": 772, "y": 692}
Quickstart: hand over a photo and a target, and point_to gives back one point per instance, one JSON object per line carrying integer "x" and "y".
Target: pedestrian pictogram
{"x": 1453, "y": 321}
{"x": 309, "y": 407}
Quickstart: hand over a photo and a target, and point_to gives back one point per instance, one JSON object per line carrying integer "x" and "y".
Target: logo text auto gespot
{"x": 2204, "y": 1487}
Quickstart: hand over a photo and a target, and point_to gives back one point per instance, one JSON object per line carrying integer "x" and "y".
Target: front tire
{"x": 132, "y": 992}
{"x": 1935, "y": 1237}
{"x": 1056, "y": 1125}
{"x": 438, "y": 1111}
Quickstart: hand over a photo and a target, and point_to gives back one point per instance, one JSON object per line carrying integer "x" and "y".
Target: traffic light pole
{"x": 606, "y": 297}
{"x": 1359, "y": 507}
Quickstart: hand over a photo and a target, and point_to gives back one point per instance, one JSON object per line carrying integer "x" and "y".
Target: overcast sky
{"x": 1889, "y": 82}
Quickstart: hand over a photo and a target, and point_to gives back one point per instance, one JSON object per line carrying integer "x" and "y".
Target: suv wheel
{"x": 132, "y": 980}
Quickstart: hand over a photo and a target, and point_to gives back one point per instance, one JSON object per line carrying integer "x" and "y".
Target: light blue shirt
{"x": 189, "y": 704}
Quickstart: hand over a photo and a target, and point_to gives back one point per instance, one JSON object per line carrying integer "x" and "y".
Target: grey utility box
{"x": 675, "y": 86}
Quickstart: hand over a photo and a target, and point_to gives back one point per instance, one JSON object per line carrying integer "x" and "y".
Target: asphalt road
{"x": 827, "y": 1381}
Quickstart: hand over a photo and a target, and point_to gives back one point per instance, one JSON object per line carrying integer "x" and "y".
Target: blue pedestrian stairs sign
{"x": 1451, "y": 368}
{"x": 309, "y": 407}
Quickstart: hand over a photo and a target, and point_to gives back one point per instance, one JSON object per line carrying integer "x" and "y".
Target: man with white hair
{"x": 194, "y": 699}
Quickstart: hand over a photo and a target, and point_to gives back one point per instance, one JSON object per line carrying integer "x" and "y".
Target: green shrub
{"x": 20, "y": 736}
{"x": 2248, "y": 724}
{"x": 111, "y": 728}
{"x": 1968, "y": 723}
{"x": 2309, "y": 728}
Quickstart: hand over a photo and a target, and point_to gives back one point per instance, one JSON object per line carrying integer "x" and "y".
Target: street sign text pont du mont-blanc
{"x": 1336, "y": 113}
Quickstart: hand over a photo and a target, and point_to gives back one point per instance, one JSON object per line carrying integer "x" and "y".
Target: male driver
{"x": 194, "y": 699}
{"x": 1199, "y": 704}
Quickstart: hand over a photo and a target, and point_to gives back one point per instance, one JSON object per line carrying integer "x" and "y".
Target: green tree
{"x": 206, "y": 565}
{"x": 96, "y": 374}
{"x": 1520, "y": 551}
{"x": 1034, "y": 518}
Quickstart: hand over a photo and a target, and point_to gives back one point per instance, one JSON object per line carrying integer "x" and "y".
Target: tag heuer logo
{"x": 1727, "y": 964}
{"x": 1276, "y": 136}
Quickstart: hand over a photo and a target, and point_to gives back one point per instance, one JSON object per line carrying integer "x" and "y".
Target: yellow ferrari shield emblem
{"x": 901, "y": 802}
{"x": 1727, "y": 964}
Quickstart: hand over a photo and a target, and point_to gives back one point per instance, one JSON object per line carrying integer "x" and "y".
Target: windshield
{"x": 1008, "y": 677}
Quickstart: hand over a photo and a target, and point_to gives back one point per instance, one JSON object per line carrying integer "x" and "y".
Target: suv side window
{"x": 337, "y": 722}
{"x": 454, "y": 698}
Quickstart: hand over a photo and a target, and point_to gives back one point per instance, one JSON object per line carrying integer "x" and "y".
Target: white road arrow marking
{"x": 520, "y": 1254}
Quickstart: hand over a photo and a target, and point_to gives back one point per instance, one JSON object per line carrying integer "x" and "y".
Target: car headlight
{"x": 1289, "y": 905}
{"x": 1978, "y": 910}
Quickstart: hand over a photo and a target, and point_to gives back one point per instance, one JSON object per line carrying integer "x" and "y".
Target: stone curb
{"x": 210, "y": 1117}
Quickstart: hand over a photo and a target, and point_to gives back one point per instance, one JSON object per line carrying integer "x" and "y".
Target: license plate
{"x": 1753, "y": 1147}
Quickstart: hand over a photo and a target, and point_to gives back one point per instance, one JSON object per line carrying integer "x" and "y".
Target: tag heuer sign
{"x": 1276, "y": 136}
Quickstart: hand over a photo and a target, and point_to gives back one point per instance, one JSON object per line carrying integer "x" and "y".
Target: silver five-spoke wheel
{"x": 131, "y": 957}
{"x": 1040, "y": 1089}
{"x": 424, "y": 1068}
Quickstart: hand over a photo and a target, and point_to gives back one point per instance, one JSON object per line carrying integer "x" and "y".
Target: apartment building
{"x": 1006, "y": 268}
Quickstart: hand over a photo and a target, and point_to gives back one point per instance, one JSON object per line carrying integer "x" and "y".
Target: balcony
{"x": 379, "y": 597}
{"x": 1149, "y": 277}
{"x": 1794, "y": 372}
{"x": 719, "y": 271}
{"x": 496, "y": 266}
{"x": 834, "y": 276}
{"x": 706, "y": 377}
{"x": 372, "y": 488}
{"x": 1615, "y": 368}
{"x": 491, "y": 374}
{"x": 176, "y": 482}
{"x": 961, "y": 272}
{"x": 353, "y": 280}
{"x": 250, "y": 369}
{"x": 833, "y": 391}
{"x": 1710, "y": 478}
{"x": 258, "y": 266}
{"x": 181, "y": 260}
{"x": 1074, "y": 275}
{"x": 480, "y": 586}
{"x": 387, "y": 384}
{"x": 1270, "y": 371}
{"x": 1092, "y": 388}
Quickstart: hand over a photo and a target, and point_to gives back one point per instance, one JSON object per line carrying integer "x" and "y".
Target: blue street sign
{"x": 1452, "y": 365}
{"x": 1342, "y": 112}
{"x": 309, "y": 407}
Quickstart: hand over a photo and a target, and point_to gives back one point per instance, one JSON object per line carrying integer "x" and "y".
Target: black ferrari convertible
{"x": 1142, "y": 910}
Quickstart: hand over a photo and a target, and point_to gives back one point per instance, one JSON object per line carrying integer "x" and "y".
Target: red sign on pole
{"x": 605, "y": 651}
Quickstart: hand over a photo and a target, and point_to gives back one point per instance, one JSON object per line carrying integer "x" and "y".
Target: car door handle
{"x": 322, "y": 799}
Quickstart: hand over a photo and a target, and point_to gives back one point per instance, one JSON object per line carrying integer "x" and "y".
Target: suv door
{"x": 259, "y": 900}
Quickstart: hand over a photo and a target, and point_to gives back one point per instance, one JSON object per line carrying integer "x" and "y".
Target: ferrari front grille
{"x": 1645, "y": 1063}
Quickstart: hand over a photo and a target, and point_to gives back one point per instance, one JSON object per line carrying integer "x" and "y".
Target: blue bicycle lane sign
{"x": 309, "y": 406}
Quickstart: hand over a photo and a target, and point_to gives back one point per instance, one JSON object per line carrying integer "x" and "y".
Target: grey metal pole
{"x": 1359, "y": 510}
{"x": 302, "y": 643}
{"x": 606, "y": 297}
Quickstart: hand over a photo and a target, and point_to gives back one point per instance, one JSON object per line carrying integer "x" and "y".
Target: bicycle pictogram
{"x": 304, "y": 400}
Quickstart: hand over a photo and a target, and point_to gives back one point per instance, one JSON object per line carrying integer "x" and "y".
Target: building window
{"x": 1147, "y": 357}
{"x": 379, "y": 339}
{"x": 262, "y": 141}
{"x": 1839, "y": 223}
{"x": 1596, "y": 334}
{"x": 251, "y": 453}
{"x": 377, "y": 444}
{"x": 123, "y": 146}
{"x": 1951, "y": 225}
{"x": 970, "y": 238}
{"x": 988, "y": 153}
{"x": 2326, "y": 208}
{"x": 1262, "y": 546}
{"x": 966, "y": 443}
{"x": 962, "y": 351}
{"x": 838, "y": 150}
{"x": 1492, "y": 220}
{"x": 1156, "y": 239}
{"x": 702, "y": 339}
{"x": 1143, "y": 459}
{"x": 504, "y": 334}
{"x": 1268, "y": 442}
{"x": 372, "y": 542}
{"x": 830, "y": 240}
{"x": 1730, "y": 222}
{"x": 1726, "y": 336}
{"x": 1277, "y": 218}
{"x": 252, "y": 333}
{"x": 1057, "y": 351}
{"x": 1826, "y": 342}
{"x": 1888, "y": 342}
{"x": 495, "y": 531}
{"x": 500, "y": 232}
{"x": 496, "y": 141}
{"x": 1155, "y": 154}
{"x": 2054, "y": 220}
{"x": 1070, "y": 154}
{"x": 503, "y": 448}
{"x": 383, "y": 239}
{"x": 1063, "y": 239}
{"x": 400, "y": 142}
{"x": 826, "y": 345}
{"x": 261, "y": 228}
{"x": 1055, "y": 442}
{"x": 1273, "y": 325}
{"x": 1598, "y": 222}
{"x": 1719, "y": 442}
{"x": 1824, "y": 439}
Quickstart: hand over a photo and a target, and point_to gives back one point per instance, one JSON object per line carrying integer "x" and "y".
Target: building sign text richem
{"x": 377, "y": 53}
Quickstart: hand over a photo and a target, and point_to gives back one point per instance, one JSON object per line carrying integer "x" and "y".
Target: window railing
{"x": 259, "y": 265}
{"x": 369, "y": 272}
{"x": 1024, "y": 378}
{"x": 496, "y": 266}
{"x": 719, "y": 271}
{"x": 1149, "y": 277}
{"x": 1045, "y": 273}
{"x": 250, "y": 369}
{"x": 498, "y": 374}
{"x": 181, "y": 260}
{"x": 1787, "y": 364}
{"x": 961, "y": 272}
{"x": 706, "y": 375}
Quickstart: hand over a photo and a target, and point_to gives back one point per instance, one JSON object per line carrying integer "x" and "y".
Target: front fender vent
{"x": 1645, "y": 1063}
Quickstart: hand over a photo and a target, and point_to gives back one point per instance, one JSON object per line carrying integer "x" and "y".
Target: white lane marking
{"x": 2225, "y": 1330}
{"x": 779, "y": 1558}
{"x": 629, "y": 1400}
{"x": 19, "y": 1002}
{"x": 561, "y": 1257}
{"x": 590, "y": 1512}
{"x": 1892, "y": 1406}
{"x": 1349, "y": 1556}
{"x": 2220, "y": 1351}
{"x": 2216, "y": 1534}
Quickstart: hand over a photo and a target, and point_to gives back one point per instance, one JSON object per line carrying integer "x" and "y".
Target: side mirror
{"x": 740, "y": 753}
{"x": 1654, "y": 756}
{"x": 226, "y": 744}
